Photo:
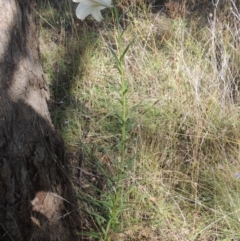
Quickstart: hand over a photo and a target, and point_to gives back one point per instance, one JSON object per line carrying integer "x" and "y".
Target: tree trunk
{"x": 35, "y": 192}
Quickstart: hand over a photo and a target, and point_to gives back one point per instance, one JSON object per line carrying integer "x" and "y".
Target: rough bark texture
{"x": 34, "y": 183}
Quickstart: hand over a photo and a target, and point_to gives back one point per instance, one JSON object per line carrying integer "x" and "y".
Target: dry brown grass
{"x": 182, "y": 159}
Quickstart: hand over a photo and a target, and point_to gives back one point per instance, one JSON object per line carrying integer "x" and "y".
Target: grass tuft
{"x": 152, "y": 127}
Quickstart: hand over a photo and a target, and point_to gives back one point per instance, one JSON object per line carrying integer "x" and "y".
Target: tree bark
{"x": 35, "y": 192}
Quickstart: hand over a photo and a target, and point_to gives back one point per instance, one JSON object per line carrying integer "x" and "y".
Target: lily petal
{"x": 105, "y": 3}
{"x": 97, "y": 14}
{"x": 93, "y": 7}
{"x": 83, "y": 11}
{"x": 86, "y": 2}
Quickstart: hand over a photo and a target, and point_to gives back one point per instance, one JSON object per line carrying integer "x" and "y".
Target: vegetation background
{"x": 176, "y": 174}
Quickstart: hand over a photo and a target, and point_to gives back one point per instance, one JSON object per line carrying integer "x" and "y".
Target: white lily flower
{"x": 93, "y": 7}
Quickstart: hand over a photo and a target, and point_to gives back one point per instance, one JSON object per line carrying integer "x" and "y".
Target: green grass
{"x": 173, "y": 176}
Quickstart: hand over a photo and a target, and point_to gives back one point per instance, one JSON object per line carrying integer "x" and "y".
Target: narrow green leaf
{"x": 125, "y": 51}
{"x": 115, "y": 56}
{"x": 89, "y": 234}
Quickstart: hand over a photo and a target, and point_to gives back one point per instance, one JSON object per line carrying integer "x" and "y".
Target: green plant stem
{"x": 117, "y": 205}
{"x": 124, "y": 115}
{"x": 113, "y": 216}
{"x": 124, "y": 89}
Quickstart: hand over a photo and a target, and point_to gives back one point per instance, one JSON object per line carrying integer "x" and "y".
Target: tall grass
{"x": 154, "y": 144}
